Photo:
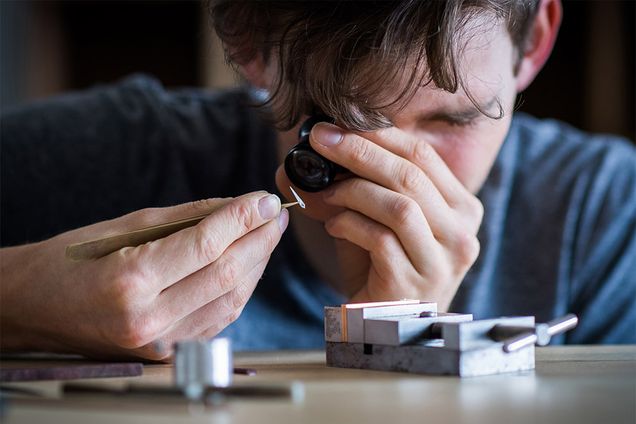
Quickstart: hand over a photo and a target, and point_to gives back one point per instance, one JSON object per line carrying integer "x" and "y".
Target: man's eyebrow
{"x": 461, "y": 115}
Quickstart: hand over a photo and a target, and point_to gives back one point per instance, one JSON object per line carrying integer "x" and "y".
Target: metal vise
{"x": 411, "y": 336}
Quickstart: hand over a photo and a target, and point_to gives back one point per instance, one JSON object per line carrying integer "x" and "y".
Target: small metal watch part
{"x": 200, "y": 364}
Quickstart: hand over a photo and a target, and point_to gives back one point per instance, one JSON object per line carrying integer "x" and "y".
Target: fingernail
{"x": 327, "y": 135}
{"x": 283, "y": 219}
{"x": 269, "y": 206}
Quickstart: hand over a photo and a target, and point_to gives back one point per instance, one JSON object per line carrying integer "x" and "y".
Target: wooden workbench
{"x": 579, "y": 384}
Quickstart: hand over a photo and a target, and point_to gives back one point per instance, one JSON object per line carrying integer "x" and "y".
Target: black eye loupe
{"x": 305, "y": 167}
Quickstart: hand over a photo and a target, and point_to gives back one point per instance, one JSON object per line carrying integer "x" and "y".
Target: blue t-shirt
{"x": 558, "y": 236}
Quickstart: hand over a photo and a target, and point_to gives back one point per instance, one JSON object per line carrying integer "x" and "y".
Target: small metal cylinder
{"x": 200, "y": 364}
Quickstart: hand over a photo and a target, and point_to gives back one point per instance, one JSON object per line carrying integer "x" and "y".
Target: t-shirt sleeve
{"x": 603, "y": 262}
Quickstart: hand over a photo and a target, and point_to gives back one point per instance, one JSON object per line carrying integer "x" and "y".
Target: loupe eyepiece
{"x": 308, "y": 170}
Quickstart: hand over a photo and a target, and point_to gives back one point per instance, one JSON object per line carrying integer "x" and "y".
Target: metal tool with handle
{"x": 95, "y": 249}
{"x": 517, "y": 337}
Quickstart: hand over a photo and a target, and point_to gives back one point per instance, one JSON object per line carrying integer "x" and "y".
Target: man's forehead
{"x": 431, "y": 103}
{"x": 483, "y": 65}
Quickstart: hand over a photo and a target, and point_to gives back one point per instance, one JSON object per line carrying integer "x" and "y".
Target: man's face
{"x": 466, "y": 139}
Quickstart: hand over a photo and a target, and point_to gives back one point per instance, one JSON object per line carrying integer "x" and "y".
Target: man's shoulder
{"x": 557, "y": 154}
{"x": 559, "y": 232}
{"x": 146, "y": 86}
{"x": 552, "y": 140}
{"x": 135, "y": 143}
{"x": 138, "y": 97}
{"x": 138, "y": 112}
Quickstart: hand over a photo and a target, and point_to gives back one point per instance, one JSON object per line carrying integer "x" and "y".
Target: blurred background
{"x": 52, "y": 46}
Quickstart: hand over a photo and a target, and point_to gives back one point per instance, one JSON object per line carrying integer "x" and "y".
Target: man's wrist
{"x": 15, "y": 267}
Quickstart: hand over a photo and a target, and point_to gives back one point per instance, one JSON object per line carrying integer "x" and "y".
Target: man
{"x": 422, "y": 94}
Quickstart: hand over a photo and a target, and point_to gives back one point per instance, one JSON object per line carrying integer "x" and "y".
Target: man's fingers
{"x": 171, "y": 259}
{"x": 385, "y": 250}
{"x": 393, "y": 210}
{"x": 212, "y": 317}
{"x": 372, "y": 162}
{"x": 223, "y": 275}
{"x": 423, "y": 155}
{"x": 426, "y": 158}
{"x": 412, "y": 168}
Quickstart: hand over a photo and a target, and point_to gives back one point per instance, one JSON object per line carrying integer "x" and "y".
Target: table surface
{"x": 574, "y": 384}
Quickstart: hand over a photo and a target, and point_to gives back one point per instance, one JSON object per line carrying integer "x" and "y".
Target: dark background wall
{"x": 53, "y": 46}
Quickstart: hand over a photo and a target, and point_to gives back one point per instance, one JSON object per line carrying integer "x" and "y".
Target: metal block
{"x": 405, "y": 329}
{"x": 346, "y": 323}
{"x": 434, "y": 360}
{"x": 474, "y": 334}
{"x": 333, "y": 324}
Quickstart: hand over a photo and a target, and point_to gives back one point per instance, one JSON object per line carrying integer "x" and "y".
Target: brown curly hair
{"x": 343, "y": 58}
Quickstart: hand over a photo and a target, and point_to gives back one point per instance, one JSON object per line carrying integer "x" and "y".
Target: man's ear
{"x": 542, "y": 37}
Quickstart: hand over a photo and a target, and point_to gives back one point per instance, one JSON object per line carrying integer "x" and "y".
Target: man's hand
{"x": 406, "y": 227}
{"x": 137, "y": 301}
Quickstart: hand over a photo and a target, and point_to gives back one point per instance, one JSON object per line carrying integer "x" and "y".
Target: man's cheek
{"x": 468, "y": 158}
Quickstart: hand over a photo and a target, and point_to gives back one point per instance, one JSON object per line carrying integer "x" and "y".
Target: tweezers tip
{"x": 298, "y": 199}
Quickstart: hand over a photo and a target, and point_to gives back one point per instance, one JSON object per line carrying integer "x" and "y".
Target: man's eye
{"x": 448, "y": 123}
{"x": 461, "y": 122}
